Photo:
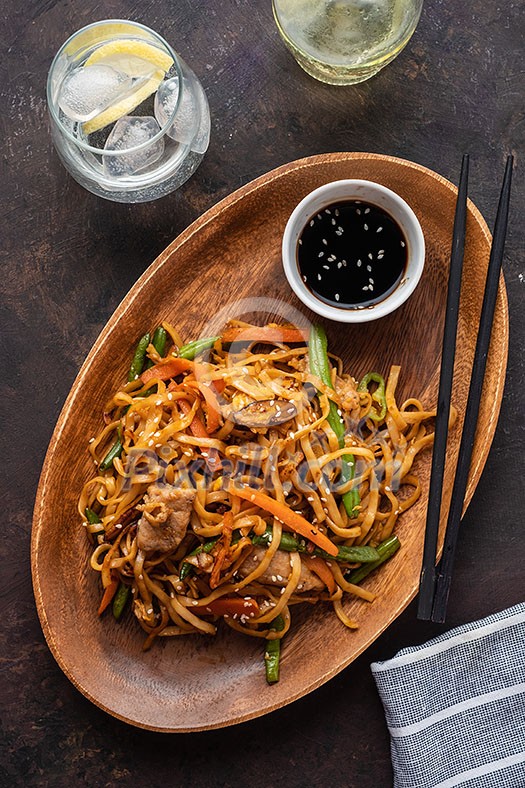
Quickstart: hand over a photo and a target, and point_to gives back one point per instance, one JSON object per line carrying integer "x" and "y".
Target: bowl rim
{"x": 365, "y": 190}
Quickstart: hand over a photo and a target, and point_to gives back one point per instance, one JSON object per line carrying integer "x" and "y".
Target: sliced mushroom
{"x": 264, "y": 413}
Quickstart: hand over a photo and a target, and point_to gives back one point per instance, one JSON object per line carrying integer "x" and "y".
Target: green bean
{"x": 272, "y": 652}
{"x": 346, "y": 555}
{"x": 139, "y": 357}
{"x": 119, "y": 602}
{"x": 186, "y": 567}
{"x": 91, "y": 516}
{"x": 320, "y": 367}
{"x": 378, "y": 395}
{"x": 193, "y": 349}
{"x": 160, "y": 337}
{"x": 113, "y": 453}
{"x": 386, "y": 550}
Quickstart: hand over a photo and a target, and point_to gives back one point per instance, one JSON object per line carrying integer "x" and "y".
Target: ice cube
{"x": 89, "y": 90}
{"x": 191, "y": 125}
{"x": 129, "y": 132}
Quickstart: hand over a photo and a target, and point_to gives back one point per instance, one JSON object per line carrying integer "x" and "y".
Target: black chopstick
{"x": 444, "y": 570}
{"x": 428, "y": 571}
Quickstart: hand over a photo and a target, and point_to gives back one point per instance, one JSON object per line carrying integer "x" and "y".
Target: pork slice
{"x": 348, "y": 393}
{"x": 166, "y": 514}
{"x": 278, "y": 571}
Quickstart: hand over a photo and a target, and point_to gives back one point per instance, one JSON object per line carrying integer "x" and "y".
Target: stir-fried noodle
{"x": 225, "y": 489}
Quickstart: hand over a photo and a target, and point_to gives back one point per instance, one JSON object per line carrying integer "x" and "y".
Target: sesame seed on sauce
{"x": 370, "y": 278}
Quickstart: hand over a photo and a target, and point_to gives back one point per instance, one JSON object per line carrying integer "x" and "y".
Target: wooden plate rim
{"x": 210, "y": 215}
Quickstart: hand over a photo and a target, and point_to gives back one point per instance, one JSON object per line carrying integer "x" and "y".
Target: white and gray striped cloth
{"x": 455, "y": 706}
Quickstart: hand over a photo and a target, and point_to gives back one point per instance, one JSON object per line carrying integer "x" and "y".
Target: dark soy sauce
{"x": 351, "y": 254}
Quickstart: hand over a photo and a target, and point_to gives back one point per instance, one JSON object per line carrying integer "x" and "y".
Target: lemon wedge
{"x": 125, "y": 105}
{"x": 127, "y": 50}
{"x": 137, "y": 59}
{"x": 103, "y": 31}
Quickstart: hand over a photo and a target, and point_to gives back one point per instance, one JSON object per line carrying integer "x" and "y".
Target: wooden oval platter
{"x": 233, "y": 252}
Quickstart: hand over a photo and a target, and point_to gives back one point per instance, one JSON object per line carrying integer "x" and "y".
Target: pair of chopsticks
{"x": 434, "y": 585}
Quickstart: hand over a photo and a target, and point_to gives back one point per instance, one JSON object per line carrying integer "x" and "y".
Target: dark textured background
{"x": 67, "y": 260}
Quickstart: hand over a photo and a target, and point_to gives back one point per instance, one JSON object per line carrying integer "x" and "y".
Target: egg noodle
{"x": 225, "y": 489}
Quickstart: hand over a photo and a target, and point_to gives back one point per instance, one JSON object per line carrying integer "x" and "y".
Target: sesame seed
{"x": 91, "y": 440}
{"x": 336, "y": 211}
{"x": 370, "y": 281}
{"x": 327, "y": 267}
{"x": 327, "y": 210}
{"x": 370, "y": 256}
{"x": 365, "y": 226}
{"x": 300, "y": 242}
{"x": 369, "y": 268}
{"x": 358, "y": 211}
{"x": 402, "y": 243}
{"x": 367, "y": 210}
{"x": 379, "y": 229}
{"x": 319, "y": 216}
{"x": 365, "y": 287}
{"x": 334, "y": 221}
{"x": 151, "y": 442}
{"x": 381, "y": 251}
{"x": 319, "y": 277}
{"x": 279, "y": 578}
{"x": 359, "y": 263}
{"x": 332, "y": 258}
{"x": 274, "y": 579}
{"x": 344, "y": 263}
{"x": 324, "y": 241}
{"x": 170, "y": 396}
{"x": 339, "y": 265}
{"x": 321, "y": 254}
{"x": 304, "y": 278}
{"x": 337, "y": 296}
{"x": 340, "y": 229}
{"x": 312, "y": 223}
{"x": 282, "y": 590}
{"x": 380, "y": 256}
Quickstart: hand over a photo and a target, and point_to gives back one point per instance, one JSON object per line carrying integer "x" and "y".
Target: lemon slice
{"x": 128, "y": 49}
{"x": 125, "y": 105}
{"x": 104, "y": 31}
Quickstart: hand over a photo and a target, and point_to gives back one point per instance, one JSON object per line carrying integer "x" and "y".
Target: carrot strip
{"x": 213, "y": 409}
{"x": 322, "y": 570}
{"x": 286, "y": 334}
{"x": 218, "y": 385}
{"x": 199, "y": 431}
{"x": 228, "y": 606}
{"x": 227, "y": 530}
{"x": 109, "y": 593}
{"x": 166, "y": 369}
{"x": 295, "y": 521}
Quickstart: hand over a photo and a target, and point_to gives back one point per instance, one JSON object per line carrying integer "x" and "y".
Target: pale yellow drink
{"x": 345, "y": 41}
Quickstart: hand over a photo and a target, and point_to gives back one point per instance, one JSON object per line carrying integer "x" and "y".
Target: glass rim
{"x": 85, "y": 145}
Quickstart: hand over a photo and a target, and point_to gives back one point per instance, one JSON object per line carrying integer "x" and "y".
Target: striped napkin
{"x": 455, "y": 706}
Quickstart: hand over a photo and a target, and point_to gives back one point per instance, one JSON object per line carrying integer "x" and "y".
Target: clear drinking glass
{"x": 129, "y": 119}
{"x": 345, "y": 41}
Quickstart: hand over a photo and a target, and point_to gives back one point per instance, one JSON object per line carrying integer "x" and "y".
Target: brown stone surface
{"x": 69, "y": 258}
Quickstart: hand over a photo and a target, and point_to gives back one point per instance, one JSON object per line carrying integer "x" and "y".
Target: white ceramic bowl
{"x": 366, "y": 191}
